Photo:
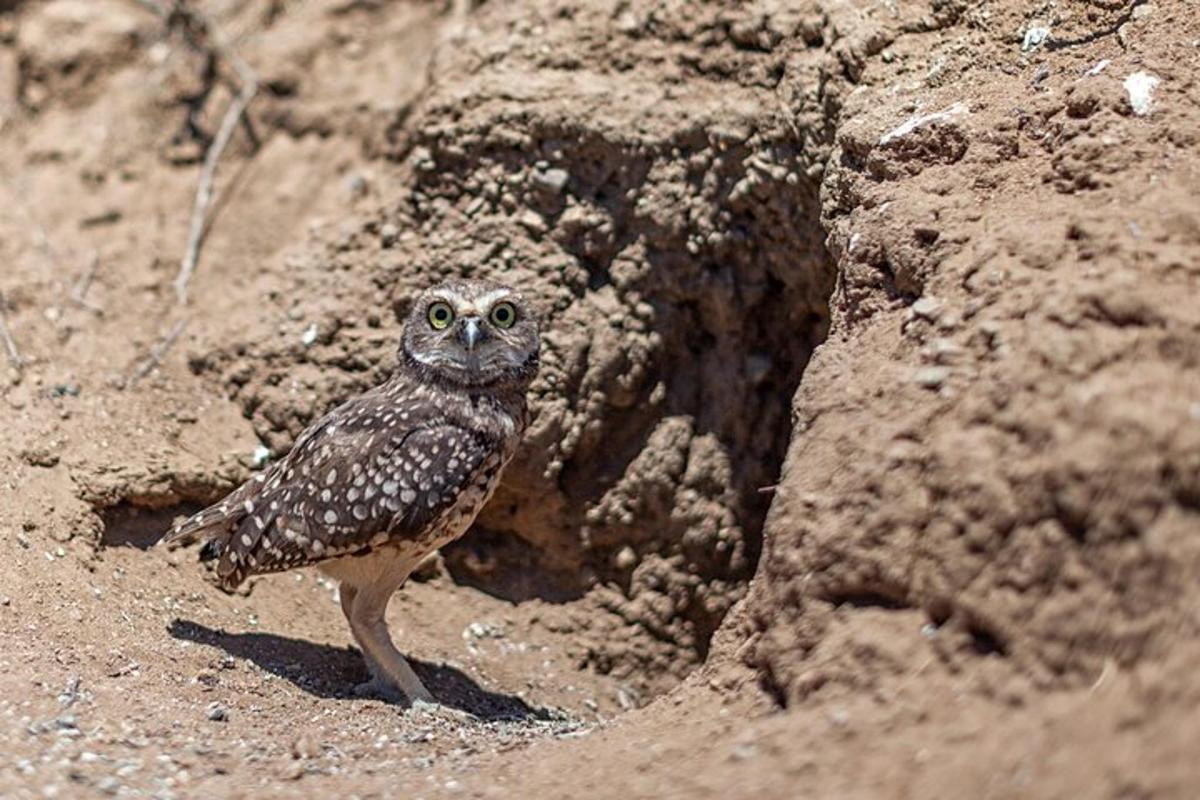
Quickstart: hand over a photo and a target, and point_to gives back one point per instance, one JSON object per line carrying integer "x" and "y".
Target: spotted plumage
{"x": 391, "y": 475}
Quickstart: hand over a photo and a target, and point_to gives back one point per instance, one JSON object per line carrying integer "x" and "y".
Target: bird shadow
{"x": 332, "y": 672}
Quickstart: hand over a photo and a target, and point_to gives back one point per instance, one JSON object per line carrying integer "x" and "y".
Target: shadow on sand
{"x": 332, "y": 672}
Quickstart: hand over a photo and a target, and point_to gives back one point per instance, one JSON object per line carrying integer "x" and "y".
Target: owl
{"x": 389, "y": 476}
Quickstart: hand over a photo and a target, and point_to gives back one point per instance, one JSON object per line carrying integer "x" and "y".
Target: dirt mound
{"x": 889, "y": 306}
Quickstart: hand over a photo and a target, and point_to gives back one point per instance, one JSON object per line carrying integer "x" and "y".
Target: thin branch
{"x": 79, "y": 290}
{"x": 233, "y": 116}
{"x": 10, "y": 344}
{"x": 160, "y": 348}
{"x": 1053, "y": 43}
{"x": 204, "y": 190}
{"x": 218, "y": 44}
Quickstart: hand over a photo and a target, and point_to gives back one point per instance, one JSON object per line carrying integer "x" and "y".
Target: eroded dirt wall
{"x": 999, "y": 439}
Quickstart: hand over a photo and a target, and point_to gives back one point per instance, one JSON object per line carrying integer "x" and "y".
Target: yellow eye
{"x": 504, "y": 315}
{"x": 441, "y": 315}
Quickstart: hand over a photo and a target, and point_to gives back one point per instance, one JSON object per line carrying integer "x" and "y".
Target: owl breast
{"x": 455, "y": 520}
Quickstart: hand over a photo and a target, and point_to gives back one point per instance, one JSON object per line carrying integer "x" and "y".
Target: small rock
{"x": 944, "y": 351}
{"x": 356, "y": 186}
{"x": 929, "y": 308}
{"x": 260, "y": 456}
{"x": 552, "y": 181}
{"x": 532, "y": 221}
{"x": 1034, "y": 36}
{"x": 388, "y": 234}
{"x": 217, "y": 713}
{"x": 932, "y": 377}
{"x": 309, "y": 336}
{"x": 1140, "y": 86}
{"x": 292, "y": 771}
{"x": 422, "y": 159}
{"x": 626, "y": 558}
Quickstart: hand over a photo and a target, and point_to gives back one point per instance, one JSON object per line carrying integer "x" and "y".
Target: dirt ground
{"x": 866, "y": 459}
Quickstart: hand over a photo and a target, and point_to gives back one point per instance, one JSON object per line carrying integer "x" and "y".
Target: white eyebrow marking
{"x": 491, "y": 297}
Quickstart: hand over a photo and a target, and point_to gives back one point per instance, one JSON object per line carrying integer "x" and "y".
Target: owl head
{"x": 473, "y": 334}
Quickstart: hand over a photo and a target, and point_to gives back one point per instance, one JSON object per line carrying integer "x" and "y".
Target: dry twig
{"x": 10, "y": 345}
{"x": 154, "y": 360}
{"x": 79, "y": 290}
{"x": 204, "y": 190}
{"x": 224, "y": 50}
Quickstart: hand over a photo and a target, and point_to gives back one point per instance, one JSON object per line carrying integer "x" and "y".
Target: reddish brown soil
{"x": 867, "y": 451}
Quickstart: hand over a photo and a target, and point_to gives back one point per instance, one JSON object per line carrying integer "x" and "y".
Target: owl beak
{"x": 470, "y": 334}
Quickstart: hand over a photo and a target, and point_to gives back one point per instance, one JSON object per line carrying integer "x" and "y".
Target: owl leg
{"x": 346, "y": 594}
{"x": 389, "y": 668}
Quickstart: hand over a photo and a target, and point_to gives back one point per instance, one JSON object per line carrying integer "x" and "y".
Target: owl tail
{"x": 210, "y": 523}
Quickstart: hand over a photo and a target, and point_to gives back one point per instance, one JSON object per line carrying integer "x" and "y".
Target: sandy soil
{"x": 867, "y": 451}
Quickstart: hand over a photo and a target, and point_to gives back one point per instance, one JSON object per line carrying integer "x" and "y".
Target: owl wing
{"x": 366, "y": 474}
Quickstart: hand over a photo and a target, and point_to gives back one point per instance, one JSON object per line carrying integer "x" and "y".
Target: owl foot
{"x": 436, "y": 709}
{"x": 385, "y": 690}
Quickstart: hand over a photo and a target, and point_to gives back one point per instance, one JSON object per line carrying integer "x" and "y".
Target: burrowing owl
{"x": 388, "y": 477}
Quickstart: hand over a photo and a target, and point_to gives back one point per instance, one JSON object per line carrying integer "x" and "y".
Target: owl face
{"x": 473, "y": 334}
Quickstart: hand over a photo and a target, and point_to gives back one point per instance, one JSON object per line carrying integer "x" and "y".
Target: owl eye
{"x": 440, "y": 315}
{"x": 504, "y": 315}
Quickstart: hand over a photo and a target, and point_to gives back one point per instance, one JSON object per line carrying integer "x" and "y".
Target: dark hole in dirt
{"x": 129, "y": 525}
{"x": 506, "y": 567}
{"x": 737, "y": 323}
{"x": 782, "y": 325}
{"x": 867, "y": 599}
{"x": 985, "y": 642}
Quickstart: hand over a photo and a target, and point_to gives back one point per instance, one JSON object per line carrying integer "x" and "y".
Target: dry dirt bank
{"x": 891, "y": 306}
